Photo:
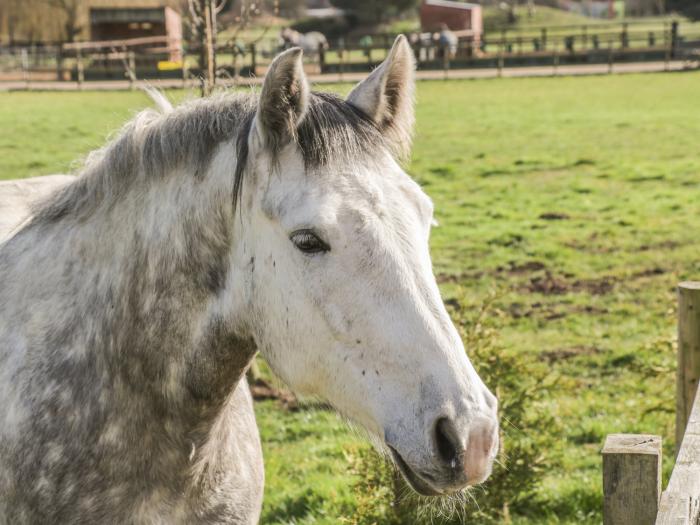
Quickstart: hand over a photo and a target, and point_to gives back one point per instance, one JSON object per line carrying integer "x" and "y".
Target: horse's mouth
{"x": 415, "y": 481}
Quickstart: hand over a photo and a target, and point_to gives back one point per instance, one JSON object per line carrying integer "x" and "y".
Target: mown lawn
{"x": 576, "y": 200}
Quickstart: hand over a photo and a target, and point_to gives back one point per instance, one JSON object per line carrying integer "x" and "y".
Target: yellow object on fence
{"x": 168, "y": 65}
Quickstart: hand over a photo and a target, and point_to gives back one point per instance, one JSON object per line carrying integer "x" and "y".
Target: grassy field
{"x": 576, "y": 200}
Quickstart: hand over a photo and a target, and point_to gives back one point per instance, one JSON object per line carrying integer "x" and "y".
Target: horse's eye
{"x": 308, "y": 242}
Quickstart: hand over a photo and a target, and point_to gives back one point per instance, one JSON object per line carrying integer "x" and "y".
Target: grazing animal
{"x": 134, "y": 298}
{"x": 17, "y": 196}
{"x": 309, "y": 42}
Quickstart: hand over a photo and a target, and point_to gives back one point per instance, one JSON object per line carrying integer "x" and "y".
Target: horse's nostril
{"x": 447, "y": 441}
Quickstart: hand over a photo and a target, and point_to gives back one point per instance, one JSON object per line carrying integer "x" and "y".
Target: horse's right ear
{"x": 386, "y": 96}
{"x": 283, "y": 100}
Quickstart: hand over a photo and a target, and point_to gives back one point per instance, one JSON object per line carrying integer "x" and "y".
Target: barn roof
{"x": 451, "y": 3}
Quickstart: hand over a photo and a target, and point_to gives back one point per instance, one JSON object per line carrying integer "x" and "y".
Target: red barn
{"x": 460, "y": 17}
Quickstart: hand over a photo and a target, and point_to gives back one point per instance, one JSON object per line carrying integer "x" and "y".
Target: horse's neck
{"x": 135, "y": 290}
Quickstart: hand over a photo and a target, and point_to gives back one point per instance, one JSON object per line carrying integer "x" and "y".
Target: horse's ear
{"x": 283, "y": 100}
{"x": 386, "y": 96}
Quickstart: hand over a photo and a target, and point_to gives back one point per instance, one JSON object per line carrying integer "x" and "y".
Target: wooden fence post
{"x": 631, "y": 479}
{"x": 184, "y": 68}
{"x": 688, "y": 354}
{"x": 132, "y": 69}
{"x": 674, "y": 38}
{"x": 624, "y": 37}
{"x": 341, "y": 57}
{"x": 321, "y": 58}
{"x": 500, "y": 60}
{"x": 445, "y": 60}
{"x": 24, "y": 58}
{"x": 59, "y": 62}
{"x": 81, "y": 68}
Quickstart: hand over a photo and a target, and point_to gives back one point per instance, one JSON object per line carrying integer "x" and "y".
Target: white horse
{"x": 309, "y": 42}
{"x": 133, "y": 300}
{"x": 18, "y": 196}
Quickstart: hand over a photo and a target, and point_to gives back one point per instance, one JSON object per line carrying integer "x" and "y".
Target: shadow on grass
{"x": 295, "y": 507}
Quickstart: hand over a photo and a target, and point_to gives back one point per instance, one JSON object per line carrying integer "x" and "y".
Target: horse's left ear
{"x": 386, "y": 96}
{"x": 283, "y": 100}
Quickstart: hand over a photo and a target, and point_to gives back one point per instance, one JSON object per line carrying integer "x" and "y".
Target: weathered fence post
{"x": 81, "y": 69}
{"x": 500, "y": 60}
{"x": 417, "y": 52}
{"x": 321, "y": 58}
{"x": 631, "y": 479}
{"x": 24, "y": 58}
{"x": 59, "y": 62}
{"x": 624, "y": 37}
{"x": 252, "y": 59}
{"x": 674, "y": 38}
{"x": 445, "y": 60}
{"x": 341, "y": 57}
{"x": 688, "y": 354}
{"x": 132, "y": 69}
{"x": 184, "y": 68}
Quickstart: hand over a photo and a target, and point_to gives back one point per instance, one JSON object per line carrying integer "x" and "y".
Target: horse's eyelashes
{"x": 308, "y": 241}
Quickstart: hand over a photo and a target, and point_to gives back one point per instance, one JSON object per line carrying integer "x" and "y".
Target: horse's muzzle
{"x": 459, "y": 459}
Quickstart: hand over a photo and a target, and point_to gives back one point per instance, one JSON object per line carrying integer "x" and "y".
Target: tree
{"x": 71, "y": 12}
{"x": 689, "y": 8}
{"x": 375, "y": 11}
{"x": 203, "y": 24}
{"x": 203, "y": 28}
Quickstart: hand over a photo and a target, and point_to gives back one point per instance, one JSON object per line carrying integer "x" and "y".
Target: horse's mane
{"x": 155, "y": 144}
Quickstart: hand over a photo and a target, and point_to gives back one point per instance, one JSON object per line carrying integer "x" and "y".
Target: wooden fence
{"x": 632, "y": 463}
{"x": 152, "y": 58}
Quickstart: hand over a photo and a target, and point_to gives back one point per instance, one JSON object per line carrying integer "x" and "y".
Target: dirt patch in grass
{"x": 561, "y": 354}
{"x": 539, "y": 279}
{"x": 550, "y": 284}
{"x": 650, "y": 272}
{"x": 528, "y": 267}
{"x": 553, "y": 216}
{"x": 458, "y": 277}
{"x": 552, "y": 311}
{"x": 663, "y": 245}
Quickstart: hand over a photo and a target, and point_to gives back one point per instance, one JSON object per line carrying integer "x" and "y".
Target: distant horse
{"x": 17, "y": 197}
{"x": 309, "y": 42}
{"x": 133, "y": 300}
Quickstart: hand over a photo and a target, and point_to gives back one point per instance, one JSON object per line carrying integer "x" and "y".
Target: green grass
{"x": 575, "y": 198}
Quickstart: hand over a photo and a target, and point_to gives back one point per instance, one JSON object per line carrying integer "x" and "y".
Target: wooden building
{"x": 113, "y": 23}
{"x": 85, "y": 20}
{"x": 463, "y": 18}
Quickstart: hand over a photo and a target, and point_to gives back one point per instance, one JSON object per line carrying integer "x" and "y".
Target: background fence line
{"x": 152, "y": 58}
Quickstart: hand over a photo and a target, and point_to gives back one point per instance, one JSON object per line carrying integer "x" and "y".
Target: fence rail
{"x": 157, "y": 57}
{"x": 632, "y": 463}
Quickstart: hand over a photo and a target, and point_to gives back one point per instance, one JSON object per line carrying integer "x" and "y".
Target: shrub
{"x": 522, "y": 385}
